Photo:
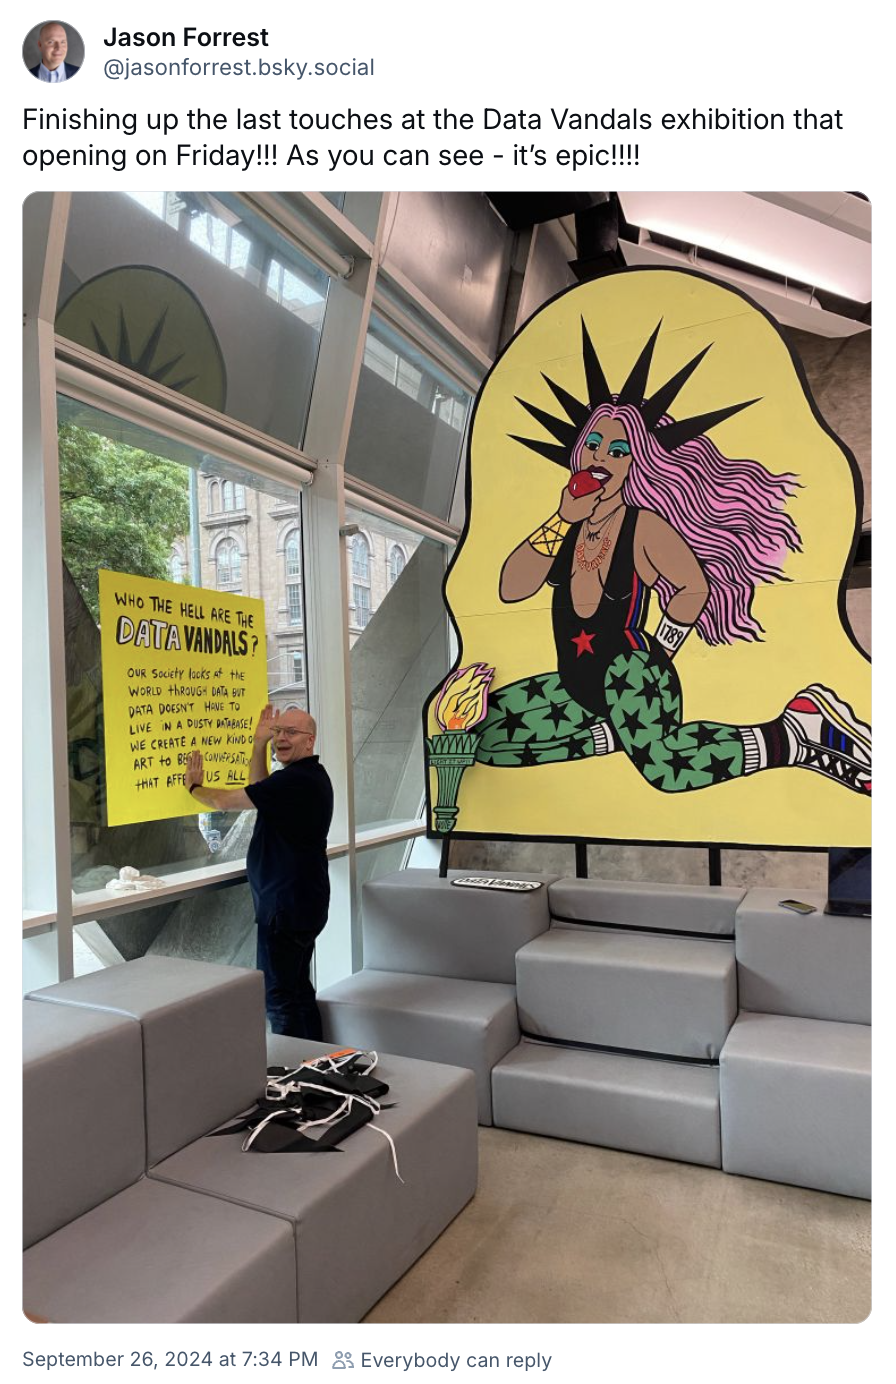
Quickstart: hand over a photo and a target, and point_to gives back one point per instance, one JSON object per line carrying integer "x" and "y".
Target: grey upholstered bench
{"x": 359, "y": 1223}
{"x": 439, "y": 977}
{"x": 795, "y": 1072}
{"x": 133, "y": 1215}
{"x": 104, "y": 1243}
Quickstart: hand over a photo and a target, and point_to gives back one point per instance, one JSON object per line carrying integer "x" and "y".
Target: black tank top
{"x": 587, "y": 647}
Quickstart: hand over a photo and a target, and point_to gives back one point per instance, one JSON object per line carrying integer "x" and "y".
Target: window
{"x": 233, "y": 496}
{"x": 125, "y": 506}
{"x": 392, "y": 674}
{"x": 360, "y": 558}
{"x": 397, "y": 562}
{"x": 200, "y": 294}
{"x": 214, "y": 497}
{"x": 293, "y": 563}
{"x": 361, "y": 601}
{"x": 298, "y": 295}
{"x": 408, "y": 424}
{"x": 228, "y": 564}
{"x": 361, "y": 581}
{"x": 222, "y": 241}
{"x": 297, "y": 661}
{"x": 294, "y": 603}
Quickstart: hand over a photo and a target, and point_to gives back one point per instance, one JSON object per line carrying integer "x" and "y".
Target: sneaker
{"x": 829, "y": 738}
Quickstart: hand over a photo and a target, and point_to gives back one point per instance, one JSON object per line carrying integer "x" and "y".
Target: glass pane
{"x": 399, "y": 650}
{"x": 456, "y": 249}
{"x": 133, "y": 501}
{"x": 212, "y": 925}
{"x": 376, "y": 862}
{"x": 408, "y": 425}
{"x": 293, "y": 603}
{"x": 199, "y": 294}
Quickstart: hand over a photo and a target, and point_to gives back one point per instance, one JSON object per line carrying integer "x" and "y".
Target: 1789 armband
{"x": 547, "y": 539}
{"x": 672, "y": 635}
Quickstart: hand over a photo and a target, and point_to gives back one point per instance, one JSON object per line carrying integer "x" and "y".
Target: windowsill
{"x": 95, "y": 902}
{"x": 98, "y": 902}
{"x": 227, "y": 516}
{"x": 386, "y": 834}
{"x": 35, "y": 920}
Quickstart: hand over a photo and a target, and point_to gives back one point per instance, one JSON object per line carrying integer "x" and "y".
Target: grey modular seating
{"x": 642, "y": 992}
{"x": 812, "y": 966}
{"x": 694, "y": 910}
{"x": 132, "y": 1215}
{"x": 439, "y": 977}
{"x": 359, "y": 1223}
{"x": 616, "y": 1100}
{"x": 624, "y": 1005}
{"x": 795, "y": 1073}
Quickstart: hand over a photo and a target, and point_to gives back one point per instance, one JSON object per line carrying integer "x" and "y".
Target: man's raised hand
{"x": 267, "y": 724}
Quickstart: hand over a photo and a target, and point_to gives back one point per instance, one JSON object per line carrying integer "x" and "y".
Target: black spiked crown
{"x": 634, "y": 392}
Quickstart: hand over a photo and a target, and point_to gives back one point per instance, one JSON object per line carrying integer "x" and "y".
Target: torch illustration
{"x": 461, "y": 705}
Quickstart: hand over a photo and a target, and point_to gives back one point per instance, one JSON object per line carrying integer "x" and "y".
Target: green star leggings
{"x": 535, "y": 721}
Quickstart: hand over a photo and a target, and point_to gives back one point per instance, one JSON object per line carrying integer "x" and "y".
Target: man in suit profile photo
{"x": 52, "y": 41}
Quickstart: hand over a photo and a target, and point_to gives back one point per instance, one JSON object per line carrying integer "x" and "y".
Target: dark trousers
{"x": 284, "y": 955}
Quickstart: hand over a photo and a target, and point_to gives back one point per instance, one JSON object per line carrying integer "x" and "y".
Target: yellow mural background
{"x": 512, "y": 491}
{"x": 232, "y": 687}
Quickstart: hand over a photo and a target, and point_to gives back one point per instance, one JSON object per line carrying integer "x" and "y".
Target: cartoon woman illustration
{"x": 652, "y": 505}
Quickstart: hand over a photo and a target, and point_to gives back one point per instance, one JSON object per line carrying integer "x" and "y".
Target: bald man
{"x": 287, "y": 860}
{"x": 52, "y": 43}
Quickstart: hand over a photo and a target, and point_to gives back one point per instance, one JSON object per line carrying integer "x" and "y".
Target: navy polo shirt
{"x": 287, "y": 859}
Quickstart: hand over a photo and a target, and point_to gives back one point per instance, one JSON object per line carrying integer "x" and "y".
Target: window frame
{"x": 333, "y": 241}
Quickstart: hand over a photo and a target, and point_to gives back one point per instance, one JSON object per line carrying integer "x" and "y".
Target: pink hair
{"x": 730, "y": 513}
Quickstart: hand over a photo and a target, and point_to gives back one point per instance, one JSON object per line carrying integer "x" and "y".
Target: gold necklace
{"x": 592, "y": 564}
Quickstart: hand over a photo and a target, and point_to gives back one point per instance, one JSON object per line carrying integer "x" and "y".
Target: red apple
{"x": 583, "y": 483}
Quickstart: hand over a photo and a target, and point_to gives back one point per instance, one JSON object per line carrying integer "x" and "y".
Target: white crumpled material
{"x": 130, "y": 881}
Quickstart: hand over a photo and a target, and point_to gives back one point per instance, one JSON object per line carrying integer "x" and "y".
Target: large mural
{"x": 649, "y": 595}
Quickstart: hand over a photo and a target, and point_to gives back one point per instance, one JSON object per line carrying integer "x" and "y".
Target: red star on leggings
{"x": 583, "y": 643}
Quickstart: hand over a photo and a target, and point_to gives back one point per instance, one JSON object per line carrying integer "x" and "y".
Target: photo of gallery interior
{"x": 613, "y": 1080}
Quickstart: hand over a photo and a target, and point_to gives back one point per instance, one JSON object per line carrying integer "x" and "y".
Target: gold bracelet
{"x": 548, "y": 538}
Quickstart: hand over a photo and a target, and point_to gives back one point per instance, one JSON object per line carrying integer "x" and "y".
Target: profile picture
{"x": 53, "y": 51}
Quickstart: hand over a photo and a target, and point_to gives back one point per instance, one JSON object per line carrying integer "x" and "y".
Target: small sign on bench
{"x": 514, "y": 886}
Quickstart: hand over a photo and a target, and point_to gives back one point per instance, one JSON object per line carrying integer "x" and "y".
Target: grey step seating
{"x": 795, "y": 1074}
{"x": 468, "y": 1023}
{"x": 796, "y": 1102}
{"x": 811, "y": 967}
{"x": 619, "y": 1101}
{"x": 132, "y": 1216}
{"x": 682, "y": 908}
{"x": 644, "y": 992}
{"x": 649, "y": 972}
{"x": 439, "y": 972}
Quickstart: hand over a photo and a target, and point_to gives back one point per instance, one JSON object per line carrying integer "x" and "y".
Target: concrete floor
{"x": 562, "y": 1232}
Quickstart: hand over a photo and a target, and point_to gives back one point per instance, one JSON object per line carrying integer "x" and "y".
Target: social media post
{"x": 309, "y": 414}
{"x": 293, "y": 100}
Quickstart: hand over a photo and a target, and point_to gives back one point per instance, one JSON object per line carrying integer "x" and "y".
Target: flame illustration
{"x": 462, "y": 702}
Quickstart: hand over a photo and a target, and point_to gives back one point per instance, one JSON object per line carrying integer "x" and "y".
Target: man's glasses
{"x": 290, "y": 732}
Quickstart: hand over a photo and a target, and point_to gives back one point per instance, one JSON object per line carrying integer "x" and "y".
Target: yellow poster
{"x": 649, "y": 593}
{"x": 183, "y": 669}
